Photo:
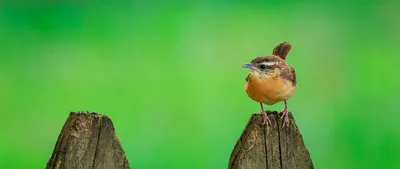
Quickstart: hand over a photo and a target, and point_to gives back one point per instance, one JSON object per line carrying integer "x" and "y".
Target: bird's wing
{"x": 293, "y": 76}
{"x": 290, "y": 74}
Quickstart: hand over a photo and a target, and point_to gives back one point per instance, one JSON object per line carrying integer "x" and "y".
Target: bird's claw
{"x": 285, "y": 117}
{"x": 266, "y": 120}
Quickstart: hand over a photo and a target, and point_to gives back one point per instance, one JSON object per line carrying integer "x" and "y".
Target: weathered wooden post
{"x": 275, "y": 148}
{"x": 88, "y": 141}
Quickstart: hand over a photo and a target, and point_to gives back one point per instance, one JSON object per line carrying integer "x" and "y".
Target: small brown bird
{"x": 271, "y": 80}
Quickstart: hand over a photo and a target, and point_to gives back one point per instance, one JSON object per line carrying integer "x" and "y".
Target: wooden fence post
{"x": 88, "y": 141}
{"x": 275, "y": 148}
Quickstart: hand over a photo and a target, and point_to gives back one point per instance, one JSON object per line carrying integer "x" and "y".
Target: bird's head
{"x": 264, "y": 65}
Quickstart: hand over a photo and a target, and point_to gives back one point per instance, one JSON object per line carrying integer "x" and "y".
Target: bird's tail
{"x": 282, "y": 50}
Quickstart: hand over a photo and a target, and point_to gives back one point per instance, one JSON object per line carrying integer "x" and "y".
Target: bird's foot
{"x": 285, "y": 116}
{"x": 266, "y": 120}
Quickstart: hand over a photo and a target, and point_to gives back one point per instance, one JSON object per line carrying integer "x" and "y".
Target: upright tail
{"x": 282, "y": 50}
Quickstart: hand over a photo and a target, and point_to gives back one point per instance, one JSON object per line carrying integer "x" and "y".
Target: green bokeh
{"x": 169, "y": 75}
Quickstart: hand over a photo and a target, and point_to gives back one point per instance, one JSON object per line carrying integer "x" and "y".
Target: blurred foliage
{"x": 169, "y": 75}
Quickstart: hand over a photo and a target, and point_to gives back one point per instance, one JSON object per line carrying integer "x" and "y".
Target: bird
{"x": 271, "y": 80}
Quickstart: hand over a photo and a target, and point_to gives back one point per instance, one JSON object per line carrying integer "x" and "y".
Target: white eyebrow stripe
{"x": 269, "y": 63}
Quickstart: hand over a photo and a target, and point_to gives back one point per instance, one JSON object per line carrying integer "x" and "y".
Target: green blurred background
{"x": 169, "y": 75}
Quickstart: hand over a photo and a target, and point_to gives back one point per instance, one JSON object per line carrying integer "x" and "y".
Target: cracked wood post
{"x": 276, "y": 148}
{"x": 88, "y": 140}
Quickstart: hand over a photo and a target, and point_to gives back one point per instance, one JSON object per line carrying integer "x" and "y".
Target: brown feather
{"x": 289, "y": 73}
{"x": 282, "y": 50}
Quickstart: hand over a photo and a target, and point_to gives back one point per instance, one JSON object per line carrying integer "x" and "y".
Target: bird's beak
{"x": 250, "y": 66}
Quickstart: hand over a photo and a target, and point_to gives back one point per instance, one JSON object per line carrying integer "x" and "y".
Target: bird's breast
{"x": 269, "y": 89}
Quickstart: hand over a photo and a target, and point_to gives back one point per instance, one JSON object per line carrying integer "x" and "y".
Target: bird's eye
{"x": 262, "y": 66}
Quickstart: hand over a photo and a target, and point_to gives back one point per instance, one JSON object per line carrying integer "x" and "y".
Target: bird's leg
{"x": 285, "y": 115}
{"x": 265, "y": 116}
